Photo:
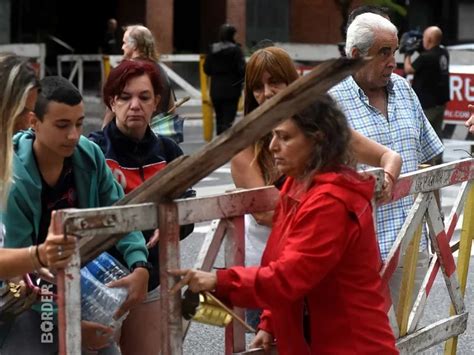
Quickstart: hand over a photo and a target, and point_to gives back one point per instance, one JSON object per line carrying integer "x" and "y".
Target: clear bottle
{"x": 106, "y": 268}
{"x": 99, "y": 303}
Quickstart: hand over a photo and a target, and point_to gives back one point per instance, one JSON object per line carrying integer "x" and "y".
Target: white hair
{"x": 361, "y": 32}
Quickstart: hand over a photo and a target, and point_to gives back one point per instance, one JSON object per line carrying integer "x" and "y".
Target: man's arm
{"x": 407, "y": 65}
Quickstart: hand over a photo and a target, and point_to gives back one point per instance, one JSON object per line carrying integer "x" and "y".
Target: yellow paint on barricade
{"x": 207, "y": 110}
{"x": 464, "y": 257}
{"x": 106, "y": 64}
{"x": 408, "y": 280}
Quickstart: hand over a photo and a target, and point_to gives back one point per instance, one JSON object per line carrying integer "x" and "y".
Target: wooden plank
{"x": 441, "y": 246}
{"x": 433, "y": 334}
{"x": 433, "y": 268}
{"x": 211, "y": 245}
{"x": 465, "y": 245}
{"x": 231, "y": 204}
{"x": 171, "y": 331}
{"x": 109, "y": 220}
{"x": 183, "y": 172}
{"x": 235, "y": 256}
{"x": 405, "y": 235}
{"x": 179, "y": 175}
{"x": 434, "y": 178}
{"x": 408, "y": 281}
{"x": 69, "y": 298}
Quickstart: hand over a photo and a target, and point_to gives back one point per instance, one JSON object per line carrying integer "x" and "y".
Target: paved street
{"x": 203, "y": 339}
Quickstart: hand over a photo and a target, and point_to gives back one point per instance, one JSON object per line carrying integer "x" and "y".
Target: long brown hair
{"x": 17, "y": 78}
{"x": 280, "y": 66}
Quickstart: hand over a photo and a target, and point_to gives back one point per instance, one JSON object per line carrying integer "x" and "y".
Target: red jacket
{"x": 322, "y": 251}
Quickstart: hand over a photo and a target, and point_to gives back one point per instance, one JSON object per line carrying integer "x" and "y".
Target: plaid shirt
{"x": 406, "y": 131}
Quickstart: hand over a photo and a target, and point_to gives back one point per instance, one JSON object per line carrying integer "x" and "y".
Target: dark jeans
{"x": 252, "y": 317}
{"x": 27, "y": 336}
{"x": 225, "y": 109}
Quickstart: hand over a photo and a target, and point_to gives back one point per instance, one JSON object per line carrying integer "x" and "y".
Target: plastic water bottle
{"x": 106, "y": 268}
{"x": 99, "y": 303}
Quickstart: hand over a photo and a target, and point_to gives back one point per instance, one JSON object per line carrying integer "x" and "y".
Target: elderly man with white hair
{"x": 382, "y": 106}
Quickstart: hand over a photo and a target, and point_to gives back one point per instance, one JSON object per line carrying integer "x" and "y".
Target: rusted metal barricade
{"x": 227, "y": 212}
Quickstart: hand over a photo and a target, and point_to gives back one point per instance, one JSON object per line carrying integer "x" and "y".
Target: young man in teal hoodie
{"x": 55, "y": 168}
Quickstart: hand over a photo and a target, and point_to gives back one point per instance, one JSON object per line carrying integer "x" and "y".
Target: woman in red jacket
{"x": 321, "y": 260}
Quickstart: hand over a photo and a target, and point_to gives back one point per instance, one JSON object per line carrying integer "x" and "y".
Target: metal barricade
{"x": 227, "y": 212}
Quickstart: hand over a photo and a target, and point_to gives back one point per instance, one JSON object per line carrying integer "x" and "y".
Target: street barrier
{"x": 77, "y": 61}
{"x": 36, "y": 51}
{"x": 226, "y": 212}
{"x": 99, "y": 229}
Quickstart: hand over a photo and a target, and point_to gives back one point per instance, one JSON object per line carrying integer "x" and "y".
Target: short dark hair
{"x": 327, "y": 126}
{"x": 58, "y": 89}
{"x": 126, "y": 70}
{"x": 227, "y": 32}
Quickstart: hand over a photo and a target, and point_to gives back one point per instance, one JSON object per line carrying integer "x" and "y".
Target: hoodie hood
{"x": 23, "y": 148}
{"x": 348, "y": 186}
{"x": 350, "y": 181}
{"x": 221, "y": 46}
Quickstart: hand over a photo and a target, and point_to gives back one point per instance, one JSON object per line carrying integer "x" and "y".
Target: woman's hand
{"x": 385, "y": 195}
{"x": 195, "y": 279}
{"x": 137, "y": 286}
{"x": 95, "y": 336}
{"x": 57, "y": 249}
{"x": 263, "y": 340}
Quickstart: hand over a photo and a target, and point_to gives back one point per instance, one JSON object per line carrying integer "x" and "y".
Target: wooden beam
{"x": 182, "y": 173}
{"x": 171, "y": 331}
{"x": 185, "y": 171}
{"x": 433, "y": 334}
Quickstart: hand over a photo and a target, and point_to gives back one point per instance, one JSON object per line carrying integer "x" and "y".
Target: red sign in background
{"x": 462, "y": 94}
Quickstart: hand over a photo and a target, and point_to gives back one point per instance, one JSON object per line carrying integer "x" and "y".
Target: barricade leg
{"x": 172, "y": 330}
{"x": 234, "y": 255}
{"x": 408, "y": 281}
{"x": 464, "y": 257}
{"x": 69, "y": 298}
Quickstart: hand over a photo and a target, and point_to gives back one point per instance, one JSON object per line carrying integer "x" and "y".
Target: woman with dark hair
{"x": 225, "y": 64}
{"x": 312, "y": 267}
{"x": 269, "y": 71}
{"x": 134, "y": 154}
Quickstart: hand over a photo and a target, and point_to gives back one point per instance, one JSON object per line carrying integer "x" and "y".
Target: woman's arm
{"x": 247, "y": 175}
{"x": 368, "y": 151}
{"x": 54, "y": 253}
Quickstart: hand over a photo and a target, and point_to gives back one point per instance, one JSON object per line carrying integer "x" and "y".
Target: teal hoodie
{"x": 95, "y": 184}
